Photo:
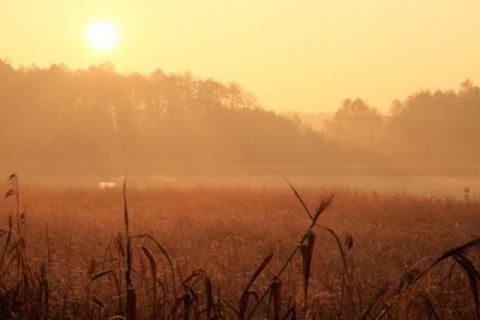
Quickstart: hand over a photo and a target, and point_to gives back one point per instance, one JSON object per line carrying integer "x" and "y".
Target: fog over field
{"x": 87, "y": 126}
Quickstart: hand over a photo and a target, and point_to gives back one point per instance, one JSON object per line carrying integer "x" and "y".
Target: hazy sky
{"x": 298, "y": 55}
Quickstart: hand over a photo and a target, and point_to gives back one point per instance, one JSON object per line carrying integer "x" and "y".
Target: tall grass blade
{"x": 470, "y": 244}
{"x": 153, "y": 270}
{"x": 164, "y": 253}
{"x": 347, "y": 276}
{"x": 408, "y": 278}
{"x": 243, "y": 303}
{"x": 10, "y": 193}
{"x": 130, "y": 296}
{"x": 97, "y": 301}
{"x": 209, "y": 297}
{"x": 291, "y": 311}
{"x": 45, "y": 289}
{"x": 321, "y": 207}
{"x": 100, "y": 274}
{"x": 306, "y": 252}
{"x": 458, "y": 254}
{"x": 259, "y": 271}
{"x": 430, "y": 307}
{"x": 49, "y": 253}
{"x": 119, "y": 245}
{"x": 131, "y": 307}
{"x": 219, "y": 307}
{"x": 340, "y": 247}
{"x": 473, "y": 276}
{"x": 276, "y": 296}
{"x": 297, "y": 195}
{"x": 348, "y": 243}
{"x": 380, "y": 292}
{"x": 7, "y": 241}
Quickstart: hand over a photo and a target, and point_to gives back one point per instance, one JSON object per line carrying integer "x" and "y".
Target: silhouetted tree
{"x": 98, "y": 119}
{"x": 355, "y": 123}
{"x": 440, "y": 126}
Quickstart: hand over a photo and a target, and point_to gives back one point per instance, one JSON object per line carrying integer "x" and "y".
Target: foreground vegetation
{"x": 237, "y": 252}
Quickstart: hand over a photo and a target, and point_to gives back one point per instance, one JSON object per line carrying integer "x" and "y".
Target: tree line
{"x": 98, "y": 119}
{"x": 427, "y": 127}
{"x": 58, "y": 118}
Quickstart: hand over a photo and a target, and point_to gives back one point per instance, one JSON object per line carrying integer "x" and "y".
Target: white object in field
{"x": 106, "y": 185}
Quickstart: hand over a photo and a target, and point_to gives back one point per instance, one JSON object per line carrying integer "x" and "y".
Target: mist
{"x": 92, "y": 126}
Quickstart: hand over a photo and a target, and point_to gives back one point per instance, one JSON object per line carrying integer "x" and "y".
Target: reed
{"x": 235, "y": 258}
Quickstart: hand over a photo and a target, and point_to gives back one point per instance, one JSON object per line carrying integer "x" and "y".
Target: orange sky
{"x": 292, "y": 55}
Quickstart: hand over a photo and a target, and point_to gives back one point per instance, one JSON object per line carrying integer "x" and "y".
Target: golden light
{"x": 101, "y": 35}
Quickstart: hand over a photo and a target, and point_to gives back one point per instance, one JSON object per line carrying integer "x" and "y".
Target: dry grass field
{"x": 206, "y": 253}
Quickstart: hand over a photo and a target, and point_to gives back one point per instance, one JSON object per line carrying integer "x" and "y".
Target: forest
{"x": 98, "y": 120}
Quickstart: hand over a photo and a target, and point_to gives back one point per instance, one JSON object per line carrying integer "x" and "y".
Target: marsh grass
{"x": 220, "y": 253}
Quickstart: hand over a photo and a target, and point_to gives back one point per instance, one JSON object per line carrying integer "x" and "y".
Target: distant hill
{"x": 315, "y": 120}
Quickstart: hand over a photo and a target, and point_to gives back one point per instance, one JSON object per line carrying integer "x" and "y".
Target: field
{"x": 206, "y": 252}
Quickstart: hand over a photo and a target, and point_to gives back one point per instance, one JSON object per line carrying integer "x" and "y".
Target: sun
{"x": 101, "y": 35}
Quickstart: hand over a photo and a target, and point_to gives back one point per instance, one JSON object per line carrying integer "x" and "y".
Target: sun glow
{"x": 101, "y": 35}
